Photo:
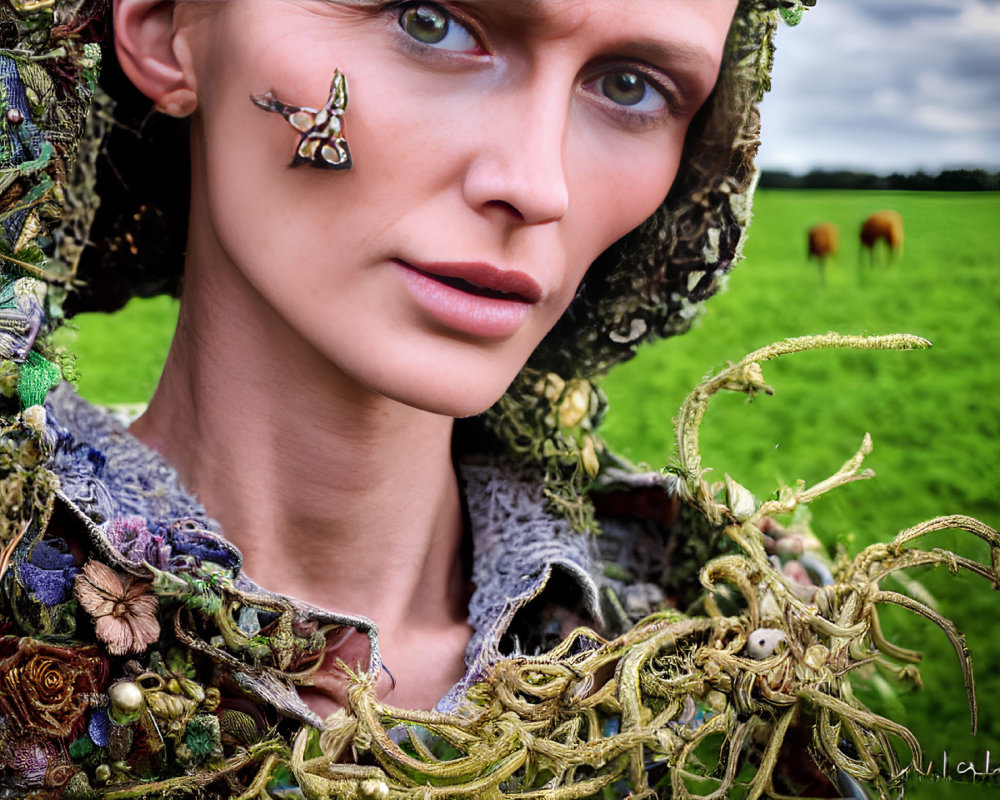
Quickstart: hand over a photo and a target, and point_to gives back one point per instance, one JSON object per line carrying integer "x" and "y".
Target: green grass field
{"x": 934, "y": 415}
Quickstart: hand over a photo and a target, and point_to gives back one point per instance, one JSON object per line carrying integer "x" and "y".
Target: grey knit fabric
{"x": 107, "y": 474}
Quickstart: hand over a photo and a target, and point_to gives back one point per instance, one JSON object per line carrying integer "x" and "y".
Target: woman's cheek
{"x": 621, "y": 177}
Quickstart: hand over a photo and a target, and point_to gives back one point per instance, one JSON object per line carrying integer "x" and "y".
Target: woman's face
{"x": 499, "y": 147}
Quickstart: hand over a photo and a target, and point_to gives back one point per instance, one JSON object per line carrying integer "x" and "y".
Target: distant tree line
{"x": 949, "y": 180}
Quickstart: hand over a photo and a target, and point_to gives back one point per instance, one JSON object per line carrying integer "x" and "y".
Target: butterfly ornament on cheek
{"x": 322, "y": 143}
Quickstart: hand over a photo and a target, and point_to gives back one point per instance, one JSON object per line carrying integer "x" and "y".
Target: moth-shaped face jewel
{"x": 322, "y": 144}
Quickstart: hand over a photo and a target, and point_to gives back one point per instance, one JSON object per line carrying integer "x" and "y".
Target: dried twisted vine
{"x": 640, "y": 711}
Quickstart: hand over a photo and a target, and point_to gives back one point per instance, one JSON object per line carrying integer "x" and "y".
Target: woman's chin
{"x": 457, "y": 404}
{"x": 452, "y": 380}
{"x": 447, "y": 392}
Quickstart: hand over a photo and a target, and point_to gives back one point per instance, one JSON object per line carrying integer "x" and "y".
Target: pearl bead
{"x": 126, "y": 697}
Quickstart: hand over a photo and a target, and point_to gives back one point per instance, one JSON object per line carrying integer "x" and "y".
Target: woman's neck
{"x": 335, "y": 495}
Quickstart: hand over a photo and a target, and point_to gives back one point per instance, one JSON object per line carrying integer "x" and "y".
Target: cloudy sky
{"x": 886, "y": 85}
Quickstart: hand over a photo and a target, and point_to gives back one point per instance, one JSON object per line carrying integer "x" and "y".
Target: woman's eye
{"x": 631, "y": 89}
{"x": 431, "y": 25}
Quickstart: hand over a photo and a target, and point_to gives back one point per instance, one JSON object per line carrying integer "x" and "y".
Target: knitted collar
{"x": 135, "y": 509}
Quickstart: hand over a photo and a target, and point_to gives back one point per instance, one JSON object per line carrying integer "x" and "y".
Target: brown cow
{"x": 886, "y": 225}
{"x": 822, "y": 245}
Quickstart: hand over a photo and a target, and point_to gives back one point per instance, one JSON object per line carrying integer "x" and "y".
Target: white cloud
{"x": 982, "y": 17}
{"x": 949, "y": 122}
{"x": 882, "y": 85}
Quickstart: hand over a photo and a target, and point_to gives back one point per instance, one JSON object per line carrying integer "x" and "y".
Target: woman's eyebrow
{"x": 526, "y": 7}
{"x": 655, "y": 51}
{"x": 660, "y": 53}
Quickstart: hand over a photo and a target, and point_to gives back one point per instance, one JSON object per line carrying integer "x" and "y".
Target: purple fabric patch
{"x": 203, "y": 547}
{"x": 31, "y": 760}
{"x": 48, "y": 571}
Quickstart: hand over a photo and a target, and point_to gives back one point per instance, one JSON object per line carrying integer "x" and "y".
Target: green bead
{"x": 793, "y": 16}
{"x": 202, "y": 736}
{"x": 81, "y": 747}
{"x": 36, "y": 376}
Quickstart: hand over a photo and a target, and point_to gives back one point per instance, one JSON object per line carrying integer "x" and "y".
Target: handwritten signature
{"x": 961, "y": 770}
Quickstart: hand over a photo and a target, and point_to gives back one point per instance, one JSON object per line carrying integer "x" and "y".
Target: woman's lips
{"x": 470, "y": 297}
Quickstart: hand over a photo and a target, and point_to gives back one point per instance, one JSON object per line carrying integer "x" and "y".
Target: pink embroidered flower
{"x": 131, "y": 537}
{"x": 124, "y": 608}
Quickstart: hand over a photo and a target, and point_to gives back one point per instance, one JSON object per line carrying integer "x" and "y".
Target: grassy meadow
{"x": 934, "y": 415}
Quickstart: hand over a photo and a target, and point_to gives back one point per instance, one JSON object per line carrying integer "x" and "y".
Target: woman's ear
{"x": 152, "y": 57}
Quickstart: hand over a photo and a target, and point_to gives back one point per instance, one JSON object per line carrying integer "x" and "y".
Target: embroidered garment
{"x": 126, "y": 507}
{"x": 135, "y": 502}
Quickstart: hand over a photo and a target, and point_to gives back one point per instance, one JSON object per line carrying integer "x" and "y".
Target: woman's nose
{"x": 518, "y": 168}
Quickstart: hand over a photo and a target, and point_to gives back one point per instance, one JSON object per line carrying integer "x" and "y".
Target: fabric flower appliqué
{"x": 124, "y": 608}
{"x": 44, "y": 688}
{"x": 131, "y": 537}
